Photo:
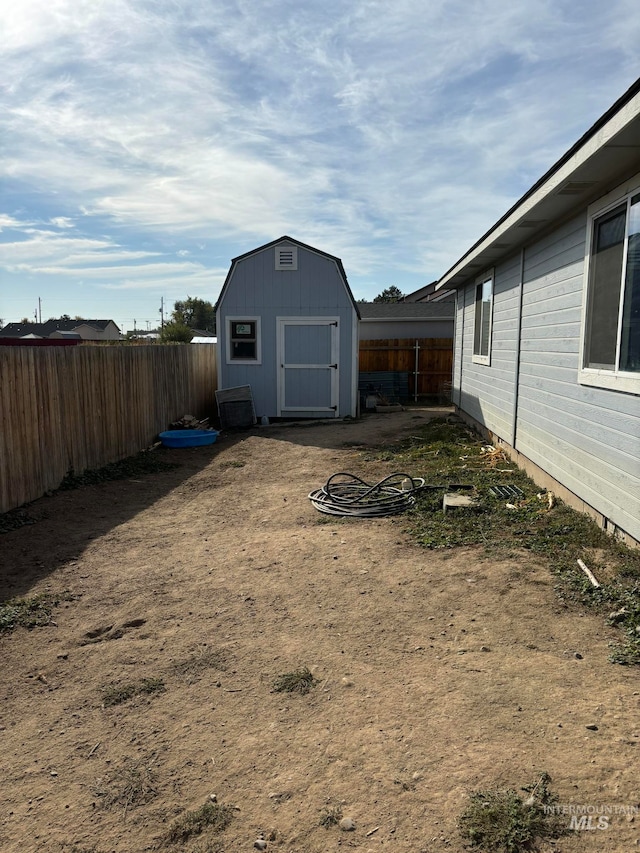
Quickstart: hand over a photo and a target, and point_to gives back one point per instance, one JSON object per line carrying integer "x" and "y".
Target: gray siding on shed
{"x": 316, "y": 288}
{"x": 586, "y": 438}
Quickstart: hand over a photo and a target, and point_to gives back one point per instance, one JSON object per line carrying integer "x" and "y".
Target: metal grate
{"x": 506, "y": 491}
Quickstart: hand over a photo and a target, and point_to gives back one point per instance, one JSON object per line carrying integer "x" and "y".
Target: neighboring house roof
{"x": 44, "y": 330}
{"x": 68, "y": 335}
{"x": 295, "y": 242}
{"x": 608, "y": 150}
{"x": 204, "y": 339}
{"x": 428, "y": 294}
{"x": 370, "y": 311}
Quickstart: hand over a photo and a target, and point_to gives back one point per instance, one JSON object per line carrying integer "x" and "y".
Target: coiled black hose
{"x": 351, "y": 496}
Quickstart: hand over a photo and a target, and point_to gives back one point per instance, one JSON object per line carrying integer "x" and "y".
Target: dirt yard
{"x": 439, "y": 672}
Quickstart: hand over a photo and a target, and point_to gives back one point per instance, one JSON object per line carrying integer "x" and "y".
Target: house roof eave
{"x": 585, "y": 172}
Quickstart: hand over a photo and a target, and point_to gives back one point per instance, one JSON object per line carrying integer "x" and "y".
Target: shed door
{"x": 308, "y": 365}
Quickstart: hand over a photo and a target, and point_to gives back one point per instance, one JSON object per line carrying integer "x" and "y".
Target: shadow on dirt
{"x": 61, "y": 526}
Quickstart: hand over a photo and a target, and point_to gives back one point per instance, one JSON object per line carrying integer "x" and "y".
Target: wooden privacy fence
{"x": 79, "y": 408}
{"x": 427, "y": 361}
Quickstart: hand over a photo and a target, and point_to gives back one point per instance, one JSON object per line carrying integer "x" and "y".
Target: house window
{"x": 482, "y": 323}
{"x": 286, "y": 257}
{"x": 243, "y": 340}
{"x": 611, "y": 351}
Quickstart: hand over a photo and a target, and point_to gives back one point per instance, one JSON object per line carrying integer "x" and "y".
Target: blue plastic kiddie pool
{"x": 188, "y": 437}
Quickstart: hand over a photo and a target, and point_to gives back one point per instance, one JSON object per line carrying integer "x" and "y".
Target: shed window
{"x": 286, "y": 257}
{"x": 243, "y": 340}
{"x": 482, "y": 322}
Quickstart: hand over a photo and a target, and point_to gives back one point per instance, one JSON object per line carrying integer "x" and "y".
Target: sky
{"x": 146, "y": 143}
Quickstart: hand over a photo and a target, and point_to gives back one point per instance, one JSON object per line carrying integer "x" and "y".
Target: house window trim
{"x": 244, "y": 318}
{"x": 478, "y": 358}
{"x": 294, "y": 258}
{"x": 616, "y": 380}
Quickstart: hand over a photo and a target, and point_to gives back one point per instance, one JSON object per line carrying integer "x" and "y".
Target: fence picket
{"x": 82, "y": 407}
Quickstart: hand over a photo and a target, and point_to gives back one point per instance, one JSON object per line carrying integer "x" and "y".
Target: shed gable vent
{"x": 286, "y": 257}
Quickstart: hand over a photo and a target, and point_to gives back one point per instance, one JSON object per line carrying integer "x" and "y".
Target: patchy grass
{"x": 208, "y": 847}
{"x": 501, "y": 821}
{"x": 232, "y": 463}
{"x": 34, "y": 612}
{"x": 213, "y": 816}
{"x": 203, "y": 659}
{"x": 128, "y": 786}
{"x": 15, "y": 519}
{"x": 331, "y": 817}
{"x": 299, "y": 681}
{"x": 447, "y": 453}
{"x": 146, "y": 462}
{"x": 117, "y": 694}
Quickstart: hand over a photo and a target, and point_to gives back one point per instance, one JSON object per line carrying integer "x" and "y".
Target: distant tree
{"x": 25, "y": 320}
{"x": 390, "y": 294}
{"x": 175, "y": 332}
{"x": 195, "y": 314}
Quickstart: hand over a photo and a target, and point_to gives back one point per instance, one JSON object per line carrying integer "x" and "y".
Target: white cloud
{"x": 392, "y": 135}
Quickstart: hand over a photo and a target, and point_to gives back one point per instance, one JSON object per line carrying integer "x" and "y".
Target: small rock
{"x": 577, "y": 656}
{"x": 213, "y": 798}
{"x": 347, "y": 825}
{"x": 260, "y": 844}
{"x": 485, "y": 649}
{"x": 53, "y": 773}
{"x": 346, "y": 682}
{"x": 618, "y": 615}
{"x": 62, "y": 656}
{"x": 592, "y": 727}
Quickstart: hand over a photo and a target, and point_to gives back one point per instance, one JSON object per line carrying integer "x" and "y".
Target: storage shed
{"x": 547, "y": 341}
{"x": 288, "y": 326}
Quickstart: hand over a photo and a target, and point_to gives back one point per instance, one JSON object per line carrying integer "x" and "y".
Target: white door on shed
{"x": 308, "y": 365}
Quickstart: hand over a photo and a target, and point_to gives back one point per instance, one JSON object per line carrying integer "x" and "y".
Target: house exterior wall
{"x": 487, "y": 392}
{"x": 378, "y": 330}
{"x": 315, "y": 289}
{"x": 89, "y": 333}
{"x": 586, "y": 438}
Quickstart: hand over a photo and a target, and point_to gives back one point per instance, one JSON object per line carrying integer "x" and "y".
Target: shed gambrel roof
{"x": 294, "y": 242}
{"x": 606, "y": 154}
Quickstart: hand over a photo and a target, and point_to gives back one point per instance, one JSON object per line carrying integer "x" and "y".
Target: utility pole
{"x": 161, "y": 313}
{"x": 39, "y": 310}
